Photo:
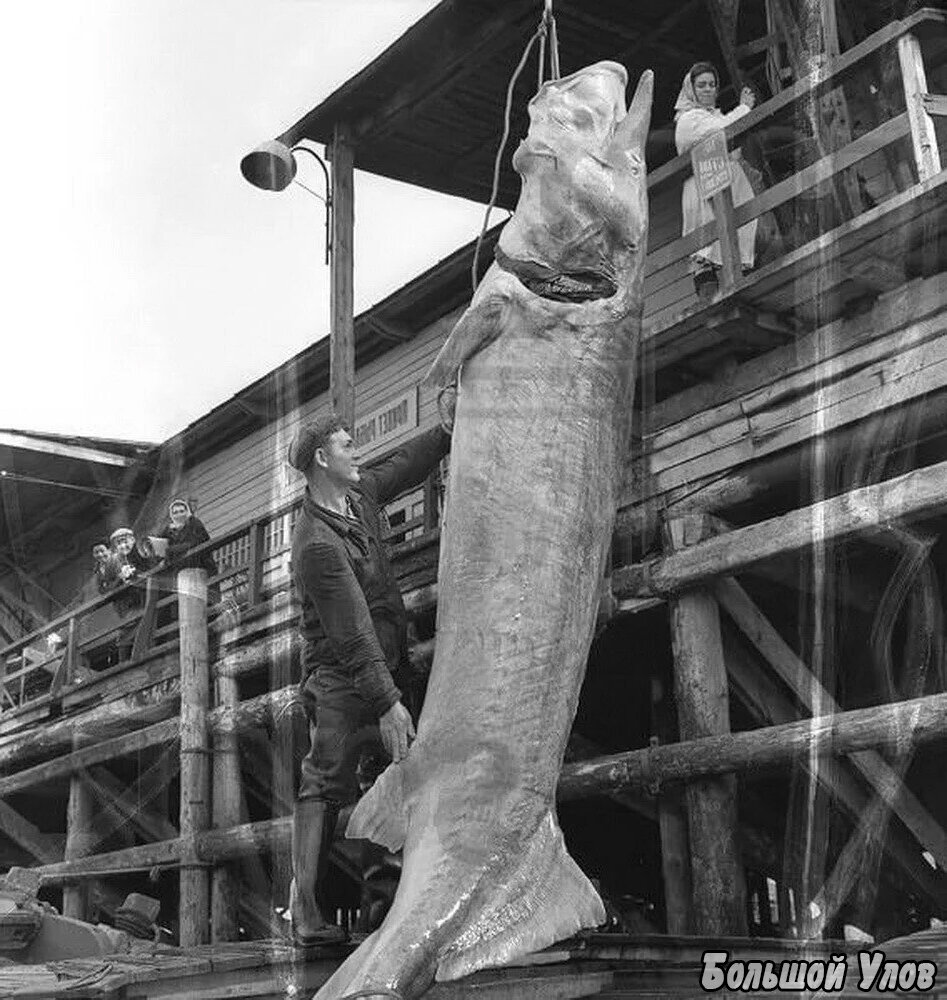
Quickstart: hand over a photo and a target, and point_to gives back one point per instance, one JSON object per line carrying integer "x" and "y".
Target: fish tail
{"x": 545, "y": 899}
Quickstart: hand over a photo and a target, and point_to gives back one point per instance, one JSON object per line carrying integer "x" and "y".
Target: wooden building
{"x": 760, "y": 740}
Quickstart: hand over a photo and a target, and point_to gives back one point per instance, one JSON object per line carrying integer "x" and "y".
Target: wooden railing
{"x": 253, "y": 566}
{"x": 887, "y": 74}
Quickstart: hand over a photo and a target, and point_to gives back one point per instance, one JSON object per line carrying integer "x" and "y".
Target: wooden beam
{"x": 915, "y": 494}
{"x": 253, "y": 713}
{"x": 44, "y": 847}
{"x": 700, "y": 690}
{"x": 120, "y": 805}
{"x": 880, "y": 727}
{"x": 120, "y": 717}
{"x": 770, "y": 704}
{"x": 17, "y": 602}
{"x": 923, "y": 134}
{"x": 391, "y": 329}
{"x": 723, "y": 15}
{"x": 581, "y": 748}
{"x": 459, "y": 53}
{"x": 672, "y": 822}
{"x": 26, "y": 442}
{"x": 194, "y": 908}
{"x": 342, "y": 334}
{"x": 794, "y": 673}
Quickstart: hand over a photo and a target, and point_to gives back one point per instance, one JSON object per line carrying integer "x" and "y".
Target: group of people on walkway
{"x": 123, "y": 557}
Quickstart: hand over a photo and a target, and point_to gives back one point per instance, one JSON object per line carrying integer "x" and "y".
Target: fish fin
{"x": 546, "y": 899}
{"x": 380, "y": 814}
{"x": 479, "y": 326}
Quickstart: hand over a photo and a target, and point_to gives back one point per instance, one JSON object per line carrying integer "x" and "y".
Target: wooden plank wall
{"x": 250, "y": 478}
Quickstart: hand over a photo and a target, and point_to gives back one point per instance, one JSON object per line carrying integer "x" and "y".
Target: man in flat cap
{"x": 354, "y": 631}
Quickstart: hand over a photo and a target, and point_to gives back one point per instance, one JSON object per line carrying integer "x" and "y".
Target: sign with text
{"x": 387, "y": 421}
{"x": 711, "y": 163}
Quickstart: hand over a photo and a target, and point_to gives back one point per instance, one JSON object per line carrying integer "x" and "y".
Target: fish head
{"x": 580, "y": 224}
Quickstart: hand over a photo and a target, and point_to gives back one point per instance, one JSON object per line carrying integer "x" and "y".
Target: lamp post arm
{"x": 328, "y": 197}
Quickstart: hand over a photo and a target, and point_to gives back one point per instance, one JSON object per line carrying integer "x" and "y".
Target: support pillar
{"x": 227, "y": 796}
{"x": 672, "y": 824}
{"x": 342, "y": 335}
{"x": 283, "y": 765}
{"x": 194, "y": 903}
{"x": 80, "y": 839}
{"x": 700, "y": 686}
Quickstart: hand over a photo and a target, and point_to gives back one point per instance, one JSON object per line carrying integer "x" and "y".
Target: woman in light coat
{"x": 696, "y": 116}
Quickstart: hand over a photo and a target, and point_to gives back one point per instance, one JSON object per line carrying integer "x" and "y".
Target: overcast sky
{"x": 144, "y": 281}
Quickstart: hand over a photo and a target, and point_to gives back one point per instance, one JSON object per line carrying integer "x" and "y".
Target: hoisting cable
{"x": 546, "y": 26}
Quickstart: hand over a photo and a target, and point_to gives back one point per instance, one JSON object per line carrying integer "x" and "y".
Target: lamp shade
{"x": 271, "y": 166}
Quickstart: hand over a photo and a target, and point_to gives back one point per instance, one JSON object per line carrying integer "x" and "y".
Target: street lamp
{"x": 272, "y": 167}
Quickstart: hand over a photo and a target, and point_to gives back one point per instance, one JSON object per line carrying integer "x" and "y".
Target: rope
{"x": 546, "y": 27}
{"x": 507, "y": 112}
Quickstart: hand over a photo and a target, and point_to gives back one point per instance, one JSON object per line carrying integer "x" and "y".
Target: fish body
{"x": 545, "y": 357}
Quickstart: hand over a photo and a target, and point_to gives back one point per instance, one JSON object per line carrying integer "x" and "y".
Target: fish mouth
{"x": 582, "y": 285}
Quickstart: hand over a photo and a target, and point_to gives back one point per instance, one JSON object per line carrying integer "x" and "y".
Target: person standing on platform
{"x": 696, "y": 116}
{"x": 354, "y": 630}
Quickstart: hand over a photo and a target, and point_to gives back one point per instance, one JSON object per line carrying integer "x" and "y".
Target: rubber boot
{"x": 313, "y": 830}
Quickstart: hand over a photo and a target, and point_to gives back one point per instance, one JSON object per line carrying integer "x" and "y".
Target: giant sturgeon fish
{"x": 545, "y": 356}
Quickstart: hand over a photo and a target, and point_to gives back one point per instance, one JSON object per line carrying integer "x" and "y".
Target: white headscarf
{"x": 687, "y": 98}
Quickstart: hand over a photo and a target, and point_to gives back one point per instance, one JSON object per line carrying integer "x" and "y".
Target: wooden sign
{"x": 711, "y": 162}
{"x": 387, "y": 421}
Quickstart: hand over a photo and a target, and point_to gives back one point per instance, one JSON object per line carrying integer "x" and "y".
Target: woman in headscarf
{"x": 184, "y": 531}
{"x": 696, "y": 116}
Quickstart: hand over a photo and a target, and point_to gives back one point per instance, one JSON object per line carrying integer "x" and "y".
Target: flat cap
{"x": 312, "y": 435}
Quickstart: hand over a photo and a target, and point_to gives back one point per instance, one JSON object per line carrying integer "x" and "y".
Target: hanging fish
{"x": 546, "y": 360}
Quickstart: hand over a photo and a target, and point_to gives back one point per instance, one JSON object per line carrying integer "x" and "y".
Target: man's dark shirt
{"x": 352, "y": 612}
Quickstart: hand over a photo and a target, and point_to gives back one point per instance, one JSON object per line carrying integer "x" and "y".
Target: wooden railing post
{"x": 700, "y": 687}
{"x": 194, "y": 905}
{"x": 72, "y": 652}
{"x": 430, "y": 500}
{"x": 731, "y": 261}
{"x": 255, "y": 564}
{"x": 923, "y": 136}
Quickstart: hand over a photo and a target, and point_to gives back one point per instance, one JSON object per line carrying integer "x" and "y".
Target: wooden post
{"x": 146, "y": 627}
{"x": 342, "y": 337}
{"x": 923, "y": 136}
{"x": 672, "y": 825}
{"x": 700, "y": 685}
{"x": 255, "y": 564}
{"x": 195, "y": 771}
{"x": 732, "y": 263}
{"x": 227, "y": 796}
{"x": 283, "y": 772}
{"x": 80, "y": 839}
